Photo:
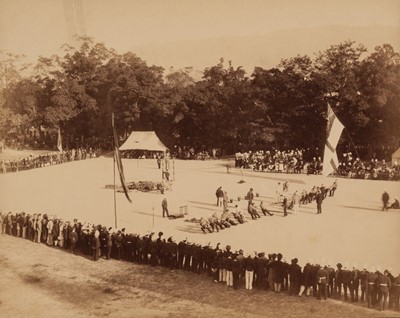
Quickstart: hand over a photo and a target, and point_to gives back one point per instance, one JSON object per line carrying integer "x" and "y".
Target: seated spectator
{"x": 395, "y": 204}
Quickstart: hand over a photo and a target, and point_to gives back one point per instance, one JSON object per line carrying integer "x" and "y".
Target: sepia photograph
{"x": 199, "y": 158}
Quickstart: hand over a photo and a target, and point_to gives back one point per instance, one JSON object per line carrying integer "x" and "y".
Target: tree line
{"x": 284, "y": 107}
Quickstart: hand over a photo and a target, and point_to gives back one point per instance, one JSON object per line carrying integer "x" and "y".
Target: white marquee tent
{"x": 143, "y": 140}
{"x": 396, "y": 156}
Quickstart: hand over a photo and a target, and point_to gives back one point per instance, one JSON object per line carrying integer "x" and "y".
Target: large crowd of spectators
{"x": 191, "y": 153}
{"x": 300, "y": 161}
{"x": 291, "y": 161}
{"x": 350, "y": 167}
{"x": 374, "y": 286}
{"x": 47, "y": 159}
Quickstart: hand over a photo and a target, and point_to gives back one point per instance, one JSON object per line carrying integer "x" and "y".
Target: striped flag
{"x": 59, "y": 141}
{"x": 117, "y": 159}
{"x": 333, "y": 131}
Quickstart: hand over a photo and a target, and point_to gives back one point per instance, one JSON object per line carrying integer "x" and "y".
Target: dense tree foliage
{"x": 282, "y": 107}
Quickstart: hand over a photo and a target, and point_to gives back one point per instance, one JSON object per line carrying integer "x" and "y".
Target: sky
{"x": 40, "y": 27}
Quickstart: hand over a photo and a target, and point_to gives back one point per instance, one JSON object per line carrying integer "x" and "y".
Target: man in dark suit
{"x": 385, "y": 200}
{"x": 285, "y": 206}
{"x": 396, "y": 291}
{"x": 347, "y": 280}
{"x": 322, "y": 276}
{"x": 250, "y": 196}
{"x": 236, "y": 271}
{"x": 319, "y": 198}
{"x": 261, "y": 271}
{"x": 383, "y": 284}
{"x": 371, "y": 287}
{"x": 164, "y": 205}
{"x": 279, "y": 273}
{"x": 220, "y": 196}
{"x": 73, "y": 239}
{"x": 295, "y": 277}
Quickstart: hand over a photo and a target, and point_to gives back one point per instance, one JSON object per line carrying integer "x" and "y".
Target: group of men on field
{"x": 379, "y": 289}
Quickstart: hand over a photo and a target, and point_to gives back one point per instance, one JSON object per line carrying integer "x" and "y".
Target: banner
{"x": 333, "y": 131}
{"x": 117, "y": 159}
{"x": 59, "y": 141}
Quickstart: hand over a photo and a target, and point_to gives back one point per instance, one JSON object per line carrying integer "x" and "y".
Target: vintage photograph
{"x": 199, "y": 158}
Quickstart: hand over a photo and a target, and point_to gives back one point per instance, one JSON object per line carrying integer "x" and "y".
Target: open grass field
{"x": 351, "y": 229}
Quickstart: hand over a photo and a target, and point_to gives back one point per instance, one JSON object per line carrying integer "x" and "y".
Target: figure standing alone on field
{"x": 285, "y": 206}
{"x": 250, "y": 196}
{"x": 220, "y": 196}
{"x": 319, "y": 198}
{"x": 164, "y": 205}
{"x": 385, "y": 200}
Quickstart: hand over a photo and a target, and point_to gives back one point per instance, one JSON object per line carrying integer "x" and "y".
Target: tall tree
{"x": 337, "y": 71}
{"x": 379, "y": 78}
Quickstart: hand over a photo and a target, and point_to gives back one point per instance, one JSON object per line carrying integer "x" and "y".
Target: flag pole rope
{"x": 351, "y": 140}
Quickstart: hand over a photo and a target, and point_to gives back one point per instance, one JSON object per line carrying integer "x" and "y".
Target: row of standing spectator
{"x": 376, "y": 287}
{"x": 47, "y": 159}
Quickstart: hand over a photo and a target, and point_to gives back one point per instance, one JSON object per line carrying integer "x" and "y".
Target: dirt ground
{"x": 43, "y": 281}
{"x": 39, "y": 281}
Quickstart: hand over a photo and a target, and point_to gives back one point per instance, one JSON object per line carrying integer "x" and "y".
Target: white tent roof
{"x": 143, "y": 140}
{"x": 396, "y": 156}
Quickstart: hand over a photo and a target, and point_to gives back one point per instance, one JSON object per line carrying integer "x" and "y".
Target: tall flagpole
{"x": 115, "y": 194}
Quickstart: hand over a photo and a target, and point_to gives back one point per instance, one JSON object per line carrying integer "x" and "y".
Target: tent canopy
{"x": 143, "y": 140}
{"x": 396, "y": 156}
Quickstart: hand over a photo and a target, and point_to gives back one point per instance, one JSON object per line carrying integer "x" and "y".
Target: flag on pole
{"x": 59, "y": 141}
{"x": 333, "y": 131}
{"x": 117, "y": 158}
